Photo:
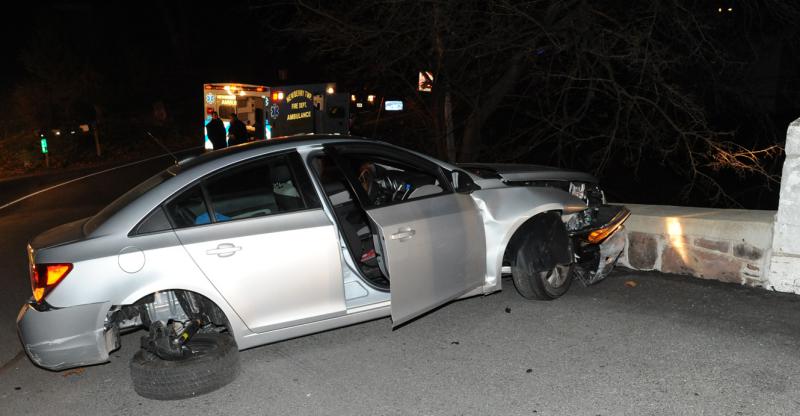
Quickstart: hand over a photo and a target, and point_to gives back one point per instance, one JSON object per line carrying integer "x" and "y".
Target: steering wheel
{"x": 380, "y": 185}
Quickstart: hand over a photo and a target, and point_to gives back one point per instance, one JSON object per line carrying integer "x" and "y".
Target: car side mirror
{"x": 463, "y": 183}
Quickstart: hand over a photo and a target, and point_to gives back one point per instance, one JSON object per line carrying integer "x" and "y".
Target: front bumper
{"x": 59, "y": 338}
{"x": 596, "y": 260}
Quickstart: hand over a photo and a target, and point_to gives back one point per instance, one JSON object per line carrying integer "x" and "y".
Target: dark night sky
{"x": 171, "y": 46}
{"x": 174, "y": 48}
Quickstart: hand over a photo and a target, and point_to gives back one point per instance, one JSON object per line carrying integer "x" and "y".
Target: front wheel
{"x": 539, "y": 284}
{"x": 212, "y": 361}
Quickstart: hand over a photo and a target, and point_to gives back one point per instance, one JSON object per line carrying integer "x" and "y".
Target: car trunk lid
{"x": 63, "y": 234}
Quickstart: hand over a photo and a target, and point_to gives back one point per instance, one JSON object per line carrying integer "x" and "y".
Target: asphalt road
{"x": 668, "y": 346}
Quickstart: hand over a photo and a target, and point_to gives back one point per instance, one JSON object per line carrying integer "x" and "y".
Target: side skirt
{"x": 353, "y": 317}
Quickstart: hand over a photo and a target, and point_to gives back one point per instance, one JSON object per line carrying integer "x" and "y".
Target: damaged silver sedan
{"x": 268, "y": 241}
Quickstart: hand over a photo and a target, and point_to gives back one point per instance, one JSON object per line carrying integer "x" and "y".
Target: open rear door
{"x": 434, "y": 250}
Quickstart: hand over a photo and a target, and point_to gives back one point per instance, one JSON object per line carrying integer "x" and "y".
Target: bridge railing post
{"x": 784, "y": 265}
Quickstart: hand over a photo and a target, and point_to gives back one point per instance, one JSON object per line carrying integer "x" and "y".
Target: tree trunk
{"x": 441, "y": 90}
{"x": 98, "y": 121}
{"x": 471, "y": 139}
{"x": 486, "y": 107}
{"x": 450, "y": 142}
{"x": 439, "y": 128}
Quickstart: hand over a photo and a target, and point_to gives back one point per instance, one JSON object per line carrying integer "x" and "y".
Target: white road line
{"x": 78, "y": 179}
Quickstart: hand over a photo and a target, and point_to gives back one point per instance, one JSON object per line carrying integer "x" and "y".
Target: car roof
{"x": 276, "y": 143}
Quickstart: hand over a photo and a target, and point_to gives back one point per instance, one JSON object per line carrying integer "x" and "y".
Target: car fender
{"x": 505, "y": 210}
{"x": 193, "y": 280}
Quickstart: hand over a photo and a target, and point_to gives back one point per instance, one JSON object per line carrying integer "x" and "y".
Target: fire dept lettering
{"x": 299, "y": 105}
{"x": 298, "y": 116}
{"x": 298, "y": 93}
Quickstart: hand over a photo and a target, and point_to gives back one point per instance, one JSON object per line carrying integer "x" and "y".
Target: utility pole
{"x": 96, "y": 140}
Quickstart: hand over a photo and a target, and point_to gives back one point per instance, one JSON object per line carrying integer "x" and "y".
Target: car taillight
{"x": 44, "y": 277}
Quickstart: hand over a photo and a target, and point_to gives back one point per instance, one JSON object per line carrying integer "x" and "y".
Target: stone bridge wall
{"x": 755, "y": 248}
{"x": 720, "y": 244}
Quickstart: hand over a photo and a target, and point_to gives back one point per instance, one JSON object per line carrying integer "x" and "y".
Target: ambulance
{"x": 269, "y": 112}
{"x": 248, "y": 102}
{"x": 309, "y": 108}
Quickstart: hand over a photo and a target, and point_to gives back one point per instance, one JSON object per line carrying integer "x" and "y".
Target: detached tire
{"x": 214, "y": 365}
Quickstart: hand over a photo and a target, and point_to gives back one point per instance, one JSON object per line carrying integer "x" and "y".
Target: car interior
{"x": 359, "y": 233}
{"x": 378, "y": 182}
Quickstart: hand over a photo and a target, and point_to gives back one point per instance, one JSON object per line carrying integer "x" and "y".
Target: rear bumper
{"x": 59, "y": 338}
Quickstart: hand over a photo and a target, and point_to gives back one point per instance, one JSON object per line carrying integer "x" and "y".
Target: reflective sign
{"x": 393, "y": 105}
{"x": 425, "y": 82}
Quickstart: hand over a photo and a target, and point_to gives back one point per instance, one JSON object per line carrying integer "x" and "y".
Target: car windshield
{"x": 101, "y": 217}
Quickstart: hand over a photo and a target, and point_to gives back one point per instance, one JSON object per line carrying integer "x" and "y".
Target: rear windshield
{"x": 128, "y": 197}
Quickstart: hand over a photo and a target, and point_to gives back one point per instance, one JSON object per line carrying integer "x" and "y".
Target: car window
{"x": 264, "y": 187}
{"x": 155, "y": 222}
{"x": 385, "y": 181}
{"x": 119, "y": 203}
{"x": 188, "y": 209}
{"x": 261, "y": 188}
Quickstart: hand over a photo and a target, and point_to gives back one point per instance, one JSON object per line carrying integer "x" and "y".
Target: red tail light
{"x": 45, "y": 277}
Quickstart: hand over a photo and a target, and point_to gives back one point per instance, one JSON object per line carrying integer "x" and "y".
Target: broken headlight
{"x": 590, "y": 193}
{"x": 581, "y": 220}
{"x": 578, "y": 189}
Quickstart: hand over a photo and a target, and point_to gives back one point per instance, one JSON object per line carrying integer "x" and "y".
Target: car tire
{"x": 539, "y": 284}
{"x": 215, "y": 364}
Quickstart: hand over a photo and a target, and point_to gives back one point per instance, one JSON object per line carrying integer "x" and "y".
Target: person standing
{"x": 216, "y": 132}
{"x": 237, "y": 133}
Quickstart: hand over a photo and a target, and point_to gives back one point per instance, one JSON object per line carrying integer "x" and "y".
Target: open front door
{"x": 434, "y": 249}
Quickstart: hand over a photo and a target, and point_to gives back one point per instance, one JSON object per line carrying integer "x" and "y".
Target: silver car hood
{"x": 508, "y": 172}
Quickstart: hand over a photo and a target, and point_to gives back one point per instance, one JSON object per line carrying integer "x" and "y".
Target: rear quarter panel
{"x": 98, "y": 274}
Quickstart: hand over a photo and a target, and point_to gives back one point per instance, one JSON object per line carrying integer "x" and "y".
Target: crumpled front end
{"x": 597, "y": 241}
{"x": 59, "y": 338}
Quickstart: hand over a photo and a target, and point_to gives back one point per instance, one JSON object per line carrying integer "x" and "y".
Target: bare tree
{"x": 62, "y": 84}
{"x": 595, "y": 81}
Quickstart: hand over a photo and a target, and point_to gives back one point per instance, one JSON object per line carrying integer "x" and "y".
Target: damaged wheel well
{"x": 166, "y": 305}
{"x": 547, "y": 230}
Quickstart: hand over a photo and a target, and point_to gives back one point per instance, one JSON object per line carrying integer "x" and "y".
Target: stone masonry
{"x": 726, "y": 245}
{"x": 754, "y": 248}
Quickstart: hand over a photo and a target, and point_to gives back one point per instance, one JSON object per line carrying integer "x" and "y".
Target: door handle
{"x": 404, "y": 234}
{"x": 224, "y": 250}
